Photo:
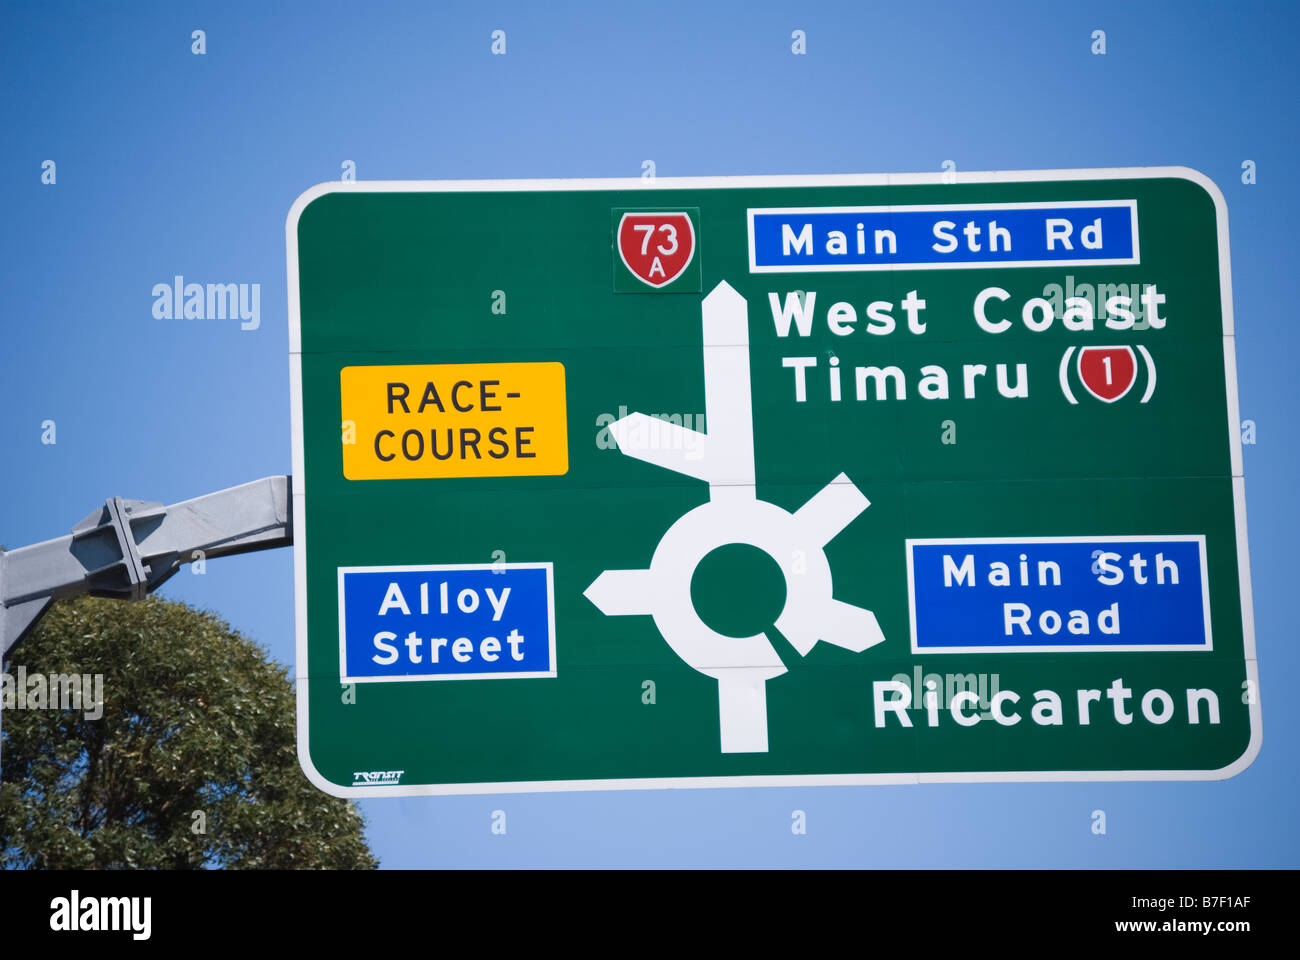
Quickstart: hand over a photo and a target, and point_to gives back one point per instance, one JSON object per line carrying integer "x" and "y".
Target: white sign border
{"x": 679, "y": 183}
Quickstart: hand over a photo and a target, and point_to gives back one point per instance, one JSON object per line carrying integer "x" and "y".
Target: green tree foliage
{"x": 198, "y": 731}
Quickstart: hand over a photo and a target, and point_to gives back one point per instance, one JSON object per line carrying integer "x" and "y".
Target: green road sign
{"x": 742, "y": 481}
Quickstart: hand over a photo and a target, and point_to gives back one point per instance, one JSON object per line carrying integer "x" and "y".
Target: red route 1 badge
{"x": 1107, "y": 372}
{"x": 656, "y": 247}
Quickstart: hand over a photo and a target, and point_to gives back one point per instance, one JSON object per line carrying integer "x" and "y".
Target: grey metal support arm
{"x": 129, "y": 548}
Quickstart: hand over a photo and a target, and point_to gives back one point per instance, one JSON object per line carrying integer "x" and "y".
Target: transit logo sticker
{"x": 377, "y": 778}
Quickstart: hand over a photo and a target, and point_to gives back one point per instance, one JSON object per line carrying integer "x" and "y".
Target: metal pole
{"x": 128, "y": 548}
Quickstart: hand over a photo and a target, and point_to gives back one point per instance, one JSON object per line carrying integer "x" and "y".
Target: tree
{"x": 192, "y": 764}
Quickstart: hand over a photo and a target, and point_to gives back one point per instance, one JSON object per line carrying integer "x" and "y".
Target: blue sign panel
{"x": 458, "y": 622}
{"x": 1059, "y": 594}
{"x": 817, "y": 239}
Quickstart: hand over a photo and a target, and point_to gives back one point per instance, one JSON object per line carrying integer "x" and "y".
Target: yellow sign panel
{"x": 455, "y": 420}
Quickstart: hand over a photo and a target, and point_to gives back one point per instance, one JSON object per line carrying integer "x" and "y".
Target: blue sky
{"x": 170, "y": 163}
